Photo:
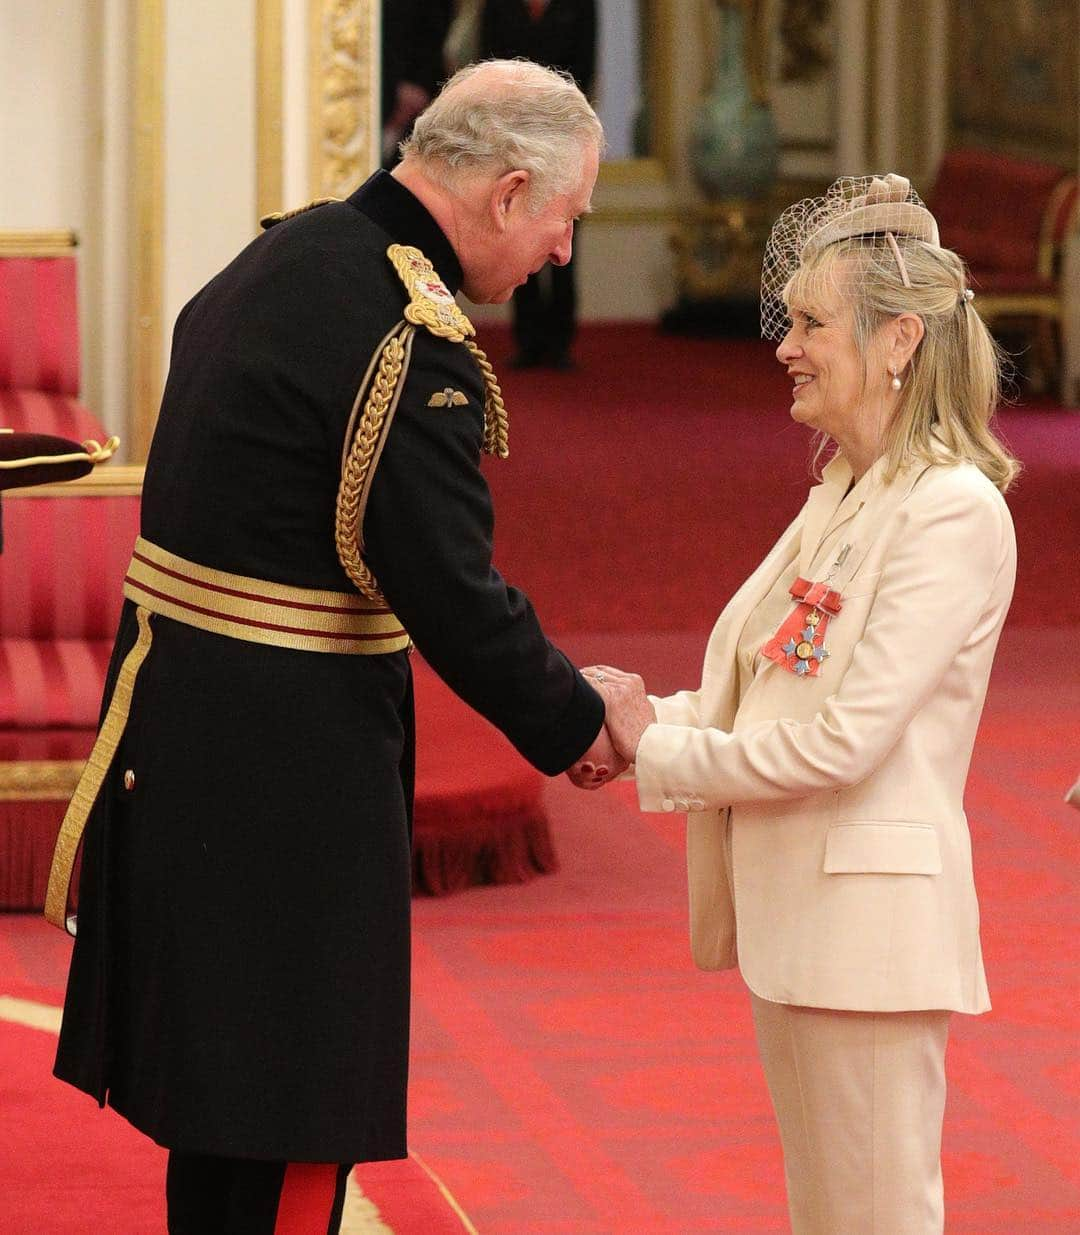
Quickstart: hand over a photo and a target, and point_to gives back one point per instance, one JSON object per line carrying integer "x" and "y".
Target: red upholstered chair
{"x": 64, "y": 552}
{"x": 1009, "y": 218}
{"x": 66, "y": 548}
{"x": 39, "y": 337}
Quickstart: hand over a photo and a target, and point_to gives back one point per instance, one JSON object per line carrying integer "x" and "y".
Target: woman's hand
{"x": 599, "y": 764}
{"x": 629, "y": 712}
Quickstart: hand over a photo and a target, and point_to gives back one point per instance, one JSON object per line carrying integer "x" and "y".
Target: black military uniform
{"x": 563, "y": 36}
{"x": 240, "y": 979}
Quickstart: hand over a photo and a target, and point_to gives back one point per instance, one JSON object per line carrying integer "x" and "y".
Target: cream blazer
{"x": 829, "y": 855}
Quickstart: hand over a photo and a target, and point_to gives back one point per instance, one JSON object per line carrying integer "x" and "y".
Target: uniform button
{"x": 682, "y": 804}
{"x": 129, "y": 779}
{"x": 697, "y": 804}
{"x": 668, "y": 804}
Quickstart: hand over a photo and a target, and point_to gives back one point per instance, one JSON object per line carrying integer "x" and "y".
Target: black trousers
{"x": 236, "y": 1196}
{"x": 545, "y": 310}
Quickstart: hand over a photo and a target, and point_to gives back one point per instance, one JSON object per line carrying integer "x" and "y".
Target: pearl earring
{"x": 896, "y": 382}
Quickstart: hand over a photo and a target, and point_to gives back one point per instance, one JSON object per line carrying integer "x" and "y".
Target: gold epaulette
{"x": 431, "y": 303}
{"x": 279, "y": 216}
{"x": 433, "y": 307}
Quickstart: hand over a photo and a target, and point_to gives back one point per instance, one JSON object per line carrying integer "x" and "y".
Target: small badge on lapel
{"x": 799, "y": 644}
{"x": 448, "y": 397}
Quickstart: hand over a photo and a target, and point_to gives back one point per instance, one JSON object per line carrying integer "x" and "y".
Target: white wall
{"x": 210, "y": 182}
{"x": 50, "y": 114}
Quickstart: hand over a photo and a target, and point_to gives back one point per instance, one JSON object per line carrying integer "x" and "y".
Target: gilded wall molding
{"x": 269, "y": 118}
{"x": 146, "y": 253}
{"x": 659, "y": 165}
{"x": 344, "y": 72}
{"x": 37, "y": 244}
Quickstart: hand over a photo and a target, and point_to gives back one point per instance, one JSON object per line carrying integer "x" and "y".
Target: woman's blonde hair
{"x": 952, "y": 385}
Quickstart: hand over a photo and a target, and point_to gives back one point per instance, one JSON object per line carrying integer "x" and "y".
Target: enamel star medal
{"x": 799, "y": 644}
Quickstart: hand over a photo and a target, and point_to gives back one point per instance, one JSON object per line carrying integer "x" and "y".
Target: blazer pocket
{"x": 882, "y": 849}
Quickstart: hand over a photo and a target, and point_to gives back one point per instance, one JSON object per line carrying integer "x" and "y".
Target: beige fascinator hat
{"x": 874, "y": 209}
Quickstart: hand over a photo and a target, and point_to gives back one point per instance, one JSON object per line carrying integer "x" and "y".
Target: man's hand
{"x": 629, "y": 712}
{"x": 599, "y": 764}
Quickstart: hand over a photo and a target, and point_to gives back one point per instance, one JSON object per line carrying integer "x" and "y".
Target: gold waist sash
{"x": 232, "y": 605}
{"x": 259, "y": 612}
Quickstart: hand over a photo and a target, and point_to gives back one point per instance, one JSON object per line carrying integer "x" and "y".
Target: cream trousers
{"x": 859, "y": 1097}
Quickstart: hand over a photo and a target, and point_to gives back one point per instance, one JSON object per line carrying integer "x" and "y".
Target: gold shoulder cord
{"x": 279, "y": 216}
{"x": 433, "y": 307}
{"x": 348, "y": 516}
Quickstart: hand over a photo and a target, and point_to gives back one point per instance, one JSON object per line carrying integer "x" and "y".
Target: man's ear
{"x": 508, "y": 192}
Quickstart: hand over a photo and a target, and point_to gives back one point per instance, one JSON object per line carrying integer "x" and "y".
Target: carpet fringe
{"x": 508, "y": 851}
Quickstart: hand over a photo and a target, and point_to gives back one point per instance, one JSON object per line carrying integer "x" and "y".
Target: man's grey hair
{"x": 507, "y": 115}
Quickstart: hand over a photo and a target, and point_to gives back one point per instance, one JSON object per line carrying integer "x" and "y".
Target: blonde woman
{"x": 822, "y": 760}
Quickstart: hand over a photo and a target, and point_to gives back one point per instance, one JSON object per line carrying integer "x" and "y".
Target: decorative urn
{"x": 734, "y": 150}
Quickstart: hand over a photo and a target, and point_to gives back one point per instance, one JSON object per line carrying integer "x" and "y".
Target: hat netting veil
{"x": 872, "y": 209}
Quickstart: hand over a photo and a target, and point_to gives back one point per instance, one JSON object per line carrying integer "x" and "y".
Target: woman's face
{"x": 823, "y": 361}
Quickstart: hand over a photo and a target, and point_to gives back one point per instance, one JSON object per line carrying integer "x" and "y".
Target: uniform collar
{"x": 390, "y": 205}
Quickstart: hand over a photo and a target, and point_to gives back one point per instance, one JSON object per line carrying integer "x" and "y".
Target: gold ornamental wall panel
{"x": 343, "y": 50}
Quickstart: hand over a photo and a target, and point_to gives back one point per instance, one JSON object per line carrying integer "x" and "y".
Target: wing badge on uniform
{"x": 448, "y": 397}
{"x": 430, "y": 303}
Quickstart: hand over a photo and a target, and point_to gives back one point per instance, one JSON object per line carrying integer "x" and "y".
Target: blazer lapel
{"x": 875, "y": 505}
{"x": 720, "y": 656}
{"x": 822, "y": 507}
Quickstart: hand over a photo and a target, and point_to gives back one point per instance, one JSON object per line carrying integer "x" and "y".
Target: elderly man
{"x": 313, "y": 506}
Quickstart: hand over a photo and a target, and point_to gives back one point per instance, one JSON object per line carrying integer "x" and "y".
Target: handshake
{"x": 628, "y": 713}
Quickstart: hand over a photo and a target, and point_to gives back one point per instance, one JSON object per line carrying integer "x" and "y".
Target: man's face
{"x": 519, "y": 242}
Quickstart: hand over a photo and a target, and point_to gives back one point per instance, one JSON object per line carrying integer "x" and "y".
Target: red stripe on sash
{"x": 221, "y": 615}
{"x": 307, "y": 1198}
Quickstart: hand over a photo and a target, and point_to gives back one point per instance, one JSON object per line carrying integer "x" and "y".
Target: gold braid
{"x": 362, "y": 451}
{"x": 496, "y": 421}
{"x": 357, "y": 465}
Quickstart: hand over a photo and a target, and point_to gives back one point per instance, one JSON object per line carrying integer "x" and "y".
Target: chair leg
{"x": 1048, "y": 348}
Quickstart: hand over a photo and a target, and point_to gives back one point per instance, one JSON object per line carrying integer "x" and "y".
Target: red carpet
{"x": 572, "y": 1073}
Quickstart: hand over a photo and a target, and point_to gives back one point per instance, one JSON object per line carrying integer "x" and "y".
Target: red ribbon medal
{"x": 799, "y": 644}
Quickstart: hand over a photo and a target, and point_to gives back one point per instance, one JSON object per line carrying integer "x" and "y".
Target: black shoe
{"x": 526, "y": 360}
{"x": 562, "y": 361}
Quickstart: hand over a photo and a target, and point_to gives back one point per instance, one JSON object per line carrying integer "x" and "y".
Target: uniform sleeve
{"x": 950, "y": 569}
{"x": 428, "y": 532}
